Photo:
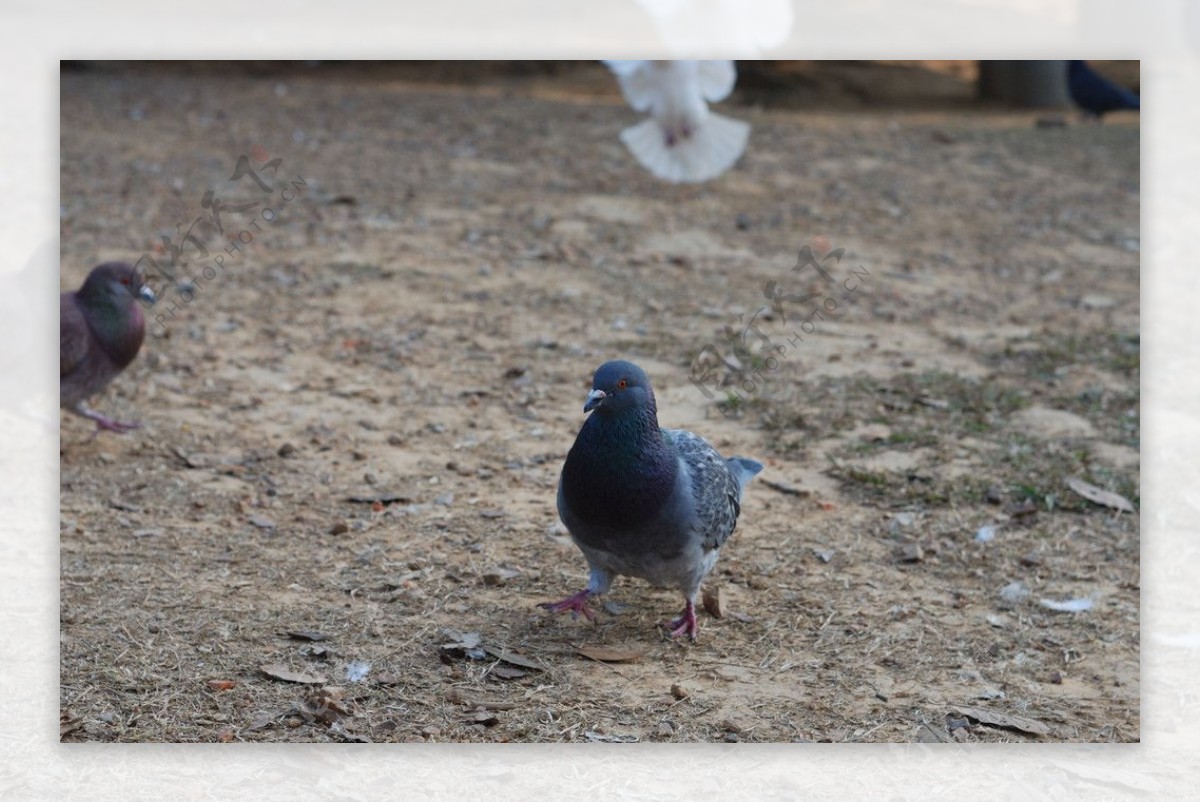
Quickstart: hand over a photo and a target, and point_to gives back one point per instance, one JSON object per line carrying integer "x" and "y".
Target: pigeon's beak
{"x": 594, "y": 400}
{"x": 146, "y": 294}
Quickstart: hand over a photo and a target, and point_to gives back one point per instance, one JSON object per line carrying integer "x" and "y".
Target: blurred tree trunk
{"x": 1032, "y": 84}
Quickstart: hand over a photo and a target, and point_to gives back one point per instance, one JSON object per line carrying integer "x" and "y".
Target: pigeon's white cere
{"x": 682, "y": 141}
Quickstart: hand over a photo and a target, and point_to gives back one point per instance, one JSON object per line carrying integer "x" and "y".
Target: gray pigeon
{"x": 100, "y": 330}
{"x": 643, "y": 501}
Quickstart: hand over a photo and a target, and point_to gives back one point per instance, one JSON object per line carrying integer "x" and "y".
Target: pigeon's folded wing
{"x": 715, "y": 491}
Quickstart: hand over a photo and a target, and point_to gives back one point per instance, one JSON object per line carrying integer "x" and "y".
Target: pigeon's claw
{"x": 113, "y": 425}
{"x": 576, "y": 604}
{"x": 105, "y": 423}
{"x": 685, "y": 624}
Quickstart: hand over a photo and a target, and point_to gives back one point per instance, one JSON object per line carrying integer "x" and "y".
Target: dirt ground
{"x": 339, "y": 518}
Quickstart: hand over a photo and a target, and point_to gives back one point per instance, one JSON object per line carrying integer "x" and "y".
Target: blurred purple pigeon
{"x": 101, "y": 328}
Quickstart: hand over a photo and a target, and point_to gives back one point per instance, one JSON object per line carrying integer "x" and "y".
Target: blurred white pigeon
{"x": 682, "y": 140}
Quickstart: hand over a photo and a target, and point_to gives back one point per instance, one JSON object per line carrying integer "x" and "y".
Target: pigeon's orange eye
{"x": 125, "y": 280}
{"x": 622, "y": 384}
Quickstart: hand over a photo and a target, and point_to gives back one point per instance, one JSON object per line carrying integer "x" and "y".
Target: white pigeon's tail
{"x": 706, "y": 153}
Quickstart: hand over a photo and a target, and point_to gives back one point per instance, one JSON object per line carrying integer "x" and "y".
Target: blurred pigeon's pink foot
{"x": 103, "y": 422}
{"x": 576, "y": 604}
{"x": 685, "y": 624}
{"x": 113, "y": 425}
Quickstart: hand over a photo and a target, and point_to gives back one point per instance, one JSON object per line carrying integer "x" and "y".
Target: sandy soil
{"x": 417, "y": 326}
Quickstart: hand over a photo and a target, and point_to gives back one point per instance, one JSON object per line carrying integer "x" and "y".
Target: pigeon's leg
{"x": 103, "y": 421}
{"x": 685, "y": 624}
{"x": 598, "y": 583}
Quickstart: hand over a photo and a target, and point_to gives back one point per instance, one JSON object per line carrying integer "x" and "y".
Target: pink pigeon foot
{"x": 685, "y": 624}
{"x": 105, "y": 423}
{"x": 113, "y": 425}
{"x": 576, "y": 604}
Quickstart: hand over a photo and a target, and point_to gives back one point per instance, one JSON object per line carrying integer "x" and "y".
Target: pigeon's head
{"x": 619, "y": 386}
{"x": 114, "y": 281}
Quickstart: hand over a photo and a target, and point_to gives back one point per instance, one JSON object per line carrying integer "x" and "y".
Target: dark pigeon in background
{"x": 1095, "y": 94}
{"x": 643, "y": 501}
{"x": 101, "y": 328}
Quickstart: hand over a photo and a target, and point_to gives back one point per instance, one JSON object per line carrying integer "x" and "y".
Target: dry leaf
{"x": 306, "y": 635}
{"x": 1099, "y": 495}
{"x": 928, "y": 735}
{"x": 484, "y": 718}
{"x": 1002, "y": 720}
{"x": 326, "y": 705}
{"x": 611, "y": 655}
{"x": 620, "y": 738}
{"x": 715, "y": 603}
{"x": 507, "y": 672}
{"x": 339, "y": 729}
{"x": 281, "y": 672}
{"x": 514, "y": 659}
{"x": 221, "y": 685}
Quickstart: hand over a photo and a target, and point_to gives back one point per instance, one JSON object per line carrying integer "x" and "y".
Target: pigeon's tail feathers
{"x": 705, "y": 153}
{"x": 743, "y": 469}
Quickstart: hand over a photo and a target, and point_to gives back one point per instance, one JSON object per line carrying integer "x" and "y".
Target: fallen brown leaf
{"x": 306, "y": 635}
{"x": 1100, "y": 496}
{"x": 1002, "y": 720}
{"x": 514, "y": 659}
{"x": 507, "y": 672}
{"x": 715, "y": 603}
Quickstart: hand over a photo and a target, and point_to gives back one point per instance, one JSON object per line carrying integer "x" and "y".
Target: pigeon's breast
{"x": 662, "y": 525}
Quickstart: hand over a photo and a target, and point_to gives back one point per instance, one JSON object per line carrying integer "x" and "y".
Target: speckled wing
{"x": 715, "y": 488}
